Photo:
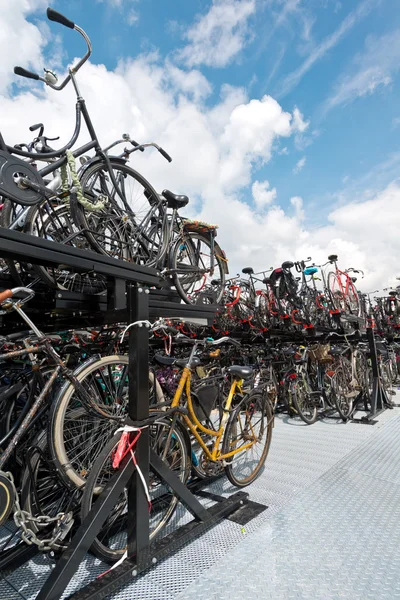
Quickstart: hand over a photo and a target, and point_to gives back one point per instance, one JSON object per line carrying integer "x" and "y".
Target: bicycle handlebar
{"x": 25, "y": 73}
{"x": 53, "y": 15}
{"x": 355, "y": 271}
{"x": 6, "y": 294}
{"x": 222, "y": 341}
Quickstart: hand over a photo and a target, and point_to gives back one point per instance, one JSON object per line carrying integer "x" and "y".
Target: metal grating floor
{"x": 331, "y": 531}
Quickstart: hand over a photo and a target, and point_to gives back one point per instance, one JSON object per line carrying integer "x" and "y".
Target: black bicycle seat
{"x": 175, "y": 200}
{"x": 288, "y": 264}
{"x": 332, "y": 257}
{"x": 240, "y": 371}
{"x": 248, "y": 270}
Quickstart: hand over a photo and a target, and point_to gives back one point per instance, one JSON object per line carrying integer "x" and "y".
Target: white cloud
{"x": 297, "y": 203}
{"x": 294, "y": 78}
{"x": 299, "y": 124}
{"x": 262, "y": 195}
{"x": 216, "y": 151}
{"x": 189, "y": 82}
{"x": 300, "y": 165}
{"x": 219, "y": 35}
{"x": 371, "y": 69}
{"x": 21, "y": 42}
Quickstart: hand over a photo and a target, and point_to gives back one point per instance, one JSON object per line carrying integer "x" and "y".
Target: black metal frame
{"x": 379, "y": 400}
{"x": 135, "y": 307}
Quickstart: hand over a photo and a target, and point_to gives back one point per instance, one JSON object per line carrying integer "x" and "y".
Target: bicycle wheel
{"x": 250, "y": 424}
{"x": 77, "y": 435}
{"x": 197, "y": 268}
{"x": 42, "y": 491}
{"x": 262, "y": 310}
{"x": 361, "y": 371}
{"x": 352, "y": 300}
{"x": 336, "y": 292}
{"x": 124, "y": 228}
{"x": 343, "y": 389}
{"x": 110, "y": 544}
{"x": 303, "y": 401}
{"x": 54, "y": 222}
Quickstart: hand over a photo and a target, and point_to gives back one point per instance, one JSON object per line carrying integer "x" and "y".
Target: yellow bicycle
{"x": 233, "y": 433}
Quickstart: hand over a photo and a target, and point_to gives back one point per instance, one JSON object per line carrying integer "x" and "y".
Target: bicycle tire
{"x": 336, "y": 293}
{"x": 303, "y": 402}
{"x": 51, "y": 496}
{"x": 56, "y": 224}
{"x": 263, "y": 315}
{"x": 118, "y": 230}
{"x": 255, "y": 399}
{"x": 69, "y": 430}
{"x": 110, "y": 543}
{"x": 188, "y": 279}
{"x": 353, "y": 300}
{"x": 341, "y": 382}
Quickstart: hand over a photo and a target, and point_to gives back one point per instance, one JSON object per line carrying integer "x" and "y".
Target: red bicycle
{"x": 342, "y": 290}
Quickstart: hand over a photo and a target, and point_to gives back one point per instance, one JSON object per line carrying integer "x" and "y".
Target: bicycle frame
{"x": 343, "y": 288}
{"x": 194, "y": 424}
{"x": 60, "y": 369}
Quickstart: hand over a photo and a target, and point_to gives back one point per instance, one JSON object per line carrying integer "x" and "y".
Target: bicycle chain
{"x": 23, "y": 518}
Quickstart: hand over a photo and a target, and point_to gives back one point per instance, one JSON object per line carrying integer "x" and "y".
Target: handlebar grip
{"x": 35, "y": 127}
{"x": 24, "y": 73}
{"x": 137, "y": 145}
{"x": 165, "y": 155}
{"x": 53, "y": 15}
{"x": 5, "y": 295}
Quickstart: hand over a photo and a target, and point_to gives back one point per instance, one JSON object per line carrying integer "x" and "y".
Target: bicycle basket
{"x": 204, "y": 399}
{"x": 320, "y": 353}
{"x": 199, "y": 226}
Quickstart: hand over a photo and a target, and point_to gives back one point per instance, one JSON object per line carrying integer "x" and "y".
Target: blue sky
{"x": 340, "y": 146}
{"x": 282, "y": 116}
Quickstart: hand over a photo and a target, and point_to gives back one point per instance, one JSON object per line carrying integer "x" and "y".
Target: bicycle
{"x": 244, "y": 422}
{"x": 94, "y": 216}
{"x": 342, "y": 290}
{"x": 97, "y": 384}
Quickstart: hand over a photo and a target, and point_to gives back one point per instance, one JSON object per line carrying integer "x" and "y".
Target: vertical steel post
{"x": 138, "y": 510}
{"x": 379, "y": 398}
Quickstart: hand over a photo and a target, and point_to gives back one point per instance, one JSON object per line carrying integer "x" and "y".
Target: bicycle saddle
{"x": 288, "y": 264}
{"x": 332, "y": 257}
{"x": 240, "y": 371}
{"x": 248, "y": 270}
{"x": 175, "y": 200}
{"x": 310, "y": 270}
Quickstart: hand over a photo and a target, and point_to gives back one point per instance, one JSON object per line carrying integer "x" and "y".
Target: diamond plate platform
{"x": 332, "y": 528}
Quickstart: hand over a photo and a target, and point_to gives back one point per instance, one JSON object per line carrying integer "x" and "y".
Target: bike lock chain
{"x": 24, "y": 520}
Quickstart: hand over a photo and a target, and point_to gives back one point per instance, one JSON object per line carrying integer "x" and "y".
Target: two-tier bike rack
{"x": 134, "y": 293}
